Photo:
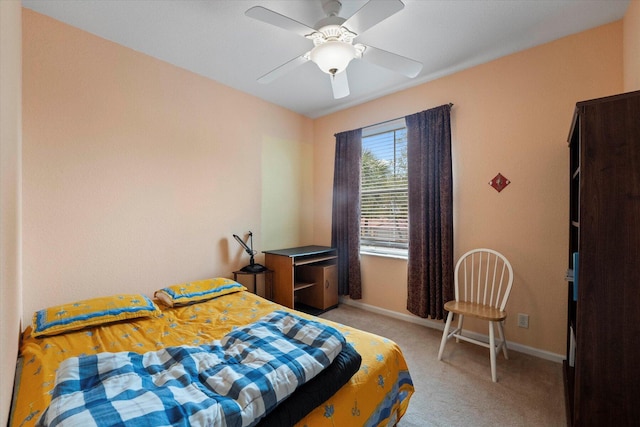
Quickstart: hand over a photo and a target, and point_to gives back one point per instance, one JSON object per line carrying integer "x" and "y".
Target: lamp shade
{"x": 333, "y": 56}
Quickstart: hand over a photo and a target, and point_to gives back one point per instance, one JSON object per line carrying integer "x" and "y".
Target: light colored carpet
{"x": 458, "y": 390}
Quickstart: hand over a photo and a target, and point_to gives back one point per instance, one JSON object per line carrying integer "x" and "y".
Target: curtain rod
{"x": 401, "y": 117}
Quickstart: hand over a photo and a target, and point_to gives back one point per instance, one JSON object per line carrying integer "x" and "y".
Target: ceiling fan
{"x": 333, "y": 38}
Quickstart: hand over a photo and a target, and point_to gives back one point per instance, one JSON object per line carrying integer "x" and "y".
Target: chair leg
{"x": 504, "y": 341}
{"x": 460, "y": 322}
{"x": 492, "y": 352}
{"x": 445, "y": 334}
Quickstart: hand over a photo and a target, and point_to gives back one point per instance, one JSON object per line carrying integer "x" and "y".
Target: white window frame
{"x": 393, "y": 252}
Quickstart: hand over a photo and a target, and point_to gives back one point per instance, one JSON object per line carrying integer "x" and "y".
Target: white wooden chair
{"x": 483, "y": 280}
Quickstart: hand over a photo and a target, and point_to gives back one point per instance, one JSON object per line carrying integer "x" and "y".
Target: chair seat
{"x": 476, "y": 310}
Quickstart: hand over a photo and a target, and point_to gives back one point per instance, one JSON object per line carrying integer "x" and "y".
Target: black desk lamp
{"x": 252, "y": 267}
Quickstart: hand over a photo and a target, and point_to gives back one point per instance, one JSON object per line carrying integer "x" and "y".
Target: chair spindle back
{"x": 483, "y": 276}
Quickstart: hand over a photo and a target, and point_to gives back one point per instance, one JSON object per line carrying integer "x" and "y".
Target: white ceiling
{"x": 215, "y": 39}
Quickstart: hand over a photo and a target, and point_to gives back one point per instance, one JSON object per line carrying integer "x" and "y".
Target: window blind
{"x": 384, "y": 188}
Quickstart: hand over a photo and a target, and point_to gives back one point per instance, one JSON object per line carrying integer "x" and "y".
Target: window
{"x": 384, "y": 198}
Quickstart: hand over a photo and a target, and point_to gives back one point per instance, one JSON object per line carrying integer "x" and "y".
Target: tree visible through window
{"x": 384, "y": 189}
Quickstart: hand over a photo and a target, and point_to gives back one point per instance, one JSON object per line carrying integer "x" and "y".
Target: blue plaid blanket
{"x": 232, "y": 382}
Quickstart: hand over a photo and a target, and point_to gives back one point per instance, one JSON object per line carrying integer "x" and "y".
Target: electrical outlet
{"x": 523, "y": 320}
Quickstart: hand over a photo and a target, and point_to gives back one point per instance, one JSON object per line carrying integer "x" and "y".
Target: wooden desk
{"x": 287, "y": 264}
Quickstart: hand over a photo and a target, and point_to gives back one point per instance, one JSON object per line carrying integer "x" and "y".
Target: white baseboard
{"x": 439, "y": 325}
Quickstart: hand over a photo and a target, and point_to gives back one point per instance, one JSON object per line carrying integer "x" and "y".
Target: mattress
{"x": 376, "y": 395}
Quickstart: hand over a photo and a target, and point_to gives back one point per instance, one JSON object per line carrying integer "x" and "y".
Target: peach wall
{"x": 136, "y": 172}
{"x": 287, "y": 161}
{"x": 10, "y": 141}
{"x": 631, "y": 38}
{"x": 512, "y": 116}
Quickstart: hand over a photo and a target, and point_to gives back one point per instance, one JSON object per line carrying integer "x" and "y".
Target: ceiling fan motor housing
{"x": 334, "y": 48}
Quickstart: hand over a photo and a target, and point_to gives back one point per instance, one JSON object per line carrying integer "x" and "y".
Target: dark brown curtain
{"x": 430, "y": 264}
{"x": 345, "y": 228}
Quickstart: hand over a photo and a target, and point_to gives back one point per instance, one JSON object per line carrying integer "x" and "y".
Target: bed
{"x": 376, "y": 395}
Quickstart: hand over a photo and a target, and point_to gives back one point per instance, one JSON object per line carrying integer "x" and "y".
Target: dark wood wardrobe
{"x": 602, "y": 369}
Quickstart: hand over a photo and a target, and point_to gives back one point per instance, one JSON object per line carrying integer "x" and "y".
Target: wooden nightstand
{"x": 268, "y": 281}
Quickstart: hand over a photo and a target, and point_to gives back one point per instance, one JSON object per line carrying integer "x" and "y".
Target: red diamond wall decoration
{"x": 499, "y": 182}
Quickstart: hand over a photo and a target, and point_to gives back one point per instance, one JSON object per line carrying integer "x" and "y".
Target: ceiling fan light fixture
{"x": 333, "y": 56}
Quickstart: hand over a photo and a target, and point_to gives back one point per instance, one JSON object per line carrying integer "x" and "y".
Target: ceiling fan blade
{"x": 283, "y": 69}
{"x": 372, "y": 13}
{"x": 340, "y": 85}
{"x": 274, "y": 18}
{"x": 392, "y": 61}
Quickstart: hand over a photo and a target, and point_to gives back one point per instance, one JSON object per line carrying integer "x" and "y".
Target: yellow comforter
{"x": 375, "y": 395}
